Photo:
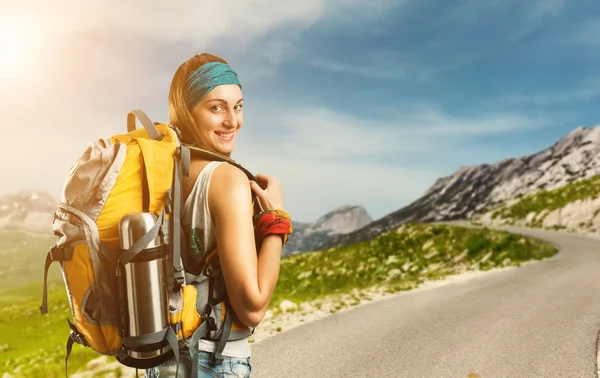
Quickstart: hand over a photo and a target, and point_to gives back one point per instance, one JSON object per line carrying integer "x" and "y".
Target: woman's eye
{"x": 218, "y": 107}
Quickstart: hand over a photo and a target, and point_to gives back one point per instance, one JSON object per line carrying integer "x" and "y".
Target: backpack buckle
{"x": 78, "y": 338}
{"x": 210, "y": 270}
{"x": 210, "y": 321}
{"x": 57, "y": 253}
{"x": 168, "y": 208}
{"x": 177, "y": 131}
{"x": 178, "y": 280}
{"x": 214, "y": 361}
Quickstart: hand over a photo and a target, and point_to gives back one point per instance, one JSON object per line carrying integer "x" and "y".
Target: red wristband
{"x": 274, "y": 222}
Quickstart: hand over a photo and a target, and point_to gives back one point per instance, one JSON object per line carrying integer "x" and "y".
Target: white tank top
{"x": 196, "y": 213}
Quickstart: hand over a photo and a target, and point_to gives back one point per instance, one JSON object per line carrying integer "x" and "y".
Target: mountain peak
{"x": 341, "y": 220}
{"x": 574, "y": 157}
{"x": 31, "y": 210}
{"x": 571, "y": 140}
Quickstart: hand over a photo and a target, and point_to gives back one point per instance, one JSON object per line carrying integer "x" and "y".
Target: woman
{"x": 205, "y": 104}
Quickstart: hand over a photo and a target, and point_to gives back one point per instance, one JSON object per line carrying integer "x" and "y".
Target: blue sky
{"x": 347, "y": 102}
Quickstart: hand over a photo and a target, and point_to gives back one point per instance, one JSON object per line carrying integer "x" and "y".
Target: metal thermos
{"x": 145, "y": 280}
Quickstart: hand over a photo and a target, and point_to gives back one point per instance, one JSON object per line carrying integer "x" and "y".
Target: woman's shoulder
{"x": 228, "y": 174}
{"x": 229, "y": 184}
{"x": 229, "y": 188}
{"x": 214, "y": 169}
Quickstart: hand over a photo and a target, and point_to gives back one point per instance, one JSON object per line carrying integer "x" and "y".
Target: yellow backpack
{"x": 119, "y": 245}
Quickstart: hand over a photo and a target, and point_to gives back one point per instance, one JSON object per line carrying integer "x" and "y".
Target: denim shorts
{"x": 231, "y": 367}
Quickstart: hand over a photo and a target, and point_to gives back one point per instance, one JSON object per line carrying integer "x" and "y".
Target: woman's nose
{"x": 231, "y": 119}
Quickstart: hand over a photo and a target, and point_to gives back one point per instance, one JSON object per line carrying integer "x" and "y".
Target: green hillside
{"x": 402, "y": 259}
{"x": 550, "y": 200}
{"x": 22, "y": 258}
{"x": 33, "y": 345}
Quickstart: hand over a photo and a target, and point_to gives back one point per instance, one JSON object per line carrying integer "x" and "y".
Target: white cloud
{"x": 429, "y": 121}
{"x": 580, "y": 38}
{"x": 380, "y": 70}
{"x": 442, "y": 125}
{"x": 313, "y": 187}
{"x": 467, "y": 12}
{"x": 546, "y": 8}
{"x": 133, "y": 48}
{"x": 320, "y": 133}
{"x": 536, "y": 14}
{"x": 584, "y": 35}
{"x": 114, "y": 57}
{"x": 111, "y": 54}
{"x": 88, "y": 63}
{"x": 586, "y": 91}
{"x": 326, "y": 159}
{"x": 389, "y": 64}
{"x": 198, "y": 21}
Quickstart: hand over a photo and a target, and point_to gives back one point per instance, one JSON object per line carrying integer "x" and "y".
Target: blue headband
{"x": 206, "y": 78}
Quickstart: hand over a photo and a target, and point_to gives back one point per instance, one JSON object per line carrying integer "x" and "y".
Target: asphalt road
{"x": 539, "y": 320}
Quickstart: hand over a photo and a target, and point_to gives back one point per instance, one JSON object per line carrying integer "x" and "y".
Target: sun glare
{"x": 12, "y": 52}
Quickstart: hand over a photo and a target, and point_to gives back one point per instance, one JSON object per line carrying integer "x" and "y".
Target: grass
{"x": 36, "y": 344}
{"x": 22, "y": 258}
{"x": 551, "y": 199}
{"x": 33, "y": 345}
{"x": 398, "y": 260}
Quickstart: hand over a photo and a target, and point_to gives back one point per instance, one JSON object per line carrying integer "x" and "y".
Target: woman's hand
{"x": 268, "y": 191}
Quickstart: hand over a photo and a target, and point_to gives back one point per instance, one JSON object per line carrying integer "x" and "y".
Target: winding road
{"x": 539, "y": 320}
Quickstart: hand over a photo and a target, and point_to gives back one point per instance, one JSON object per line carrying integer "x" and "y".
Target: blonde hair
{"x": 179, "y": 115}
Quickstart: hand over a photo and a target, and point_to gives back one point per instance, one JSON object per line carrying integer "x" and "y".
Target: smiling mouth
{"x": 226, "y": 136}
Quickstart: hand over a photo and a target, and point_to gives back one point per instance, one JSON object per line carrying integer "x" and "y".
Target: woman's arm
{"x": 250, "y": 278}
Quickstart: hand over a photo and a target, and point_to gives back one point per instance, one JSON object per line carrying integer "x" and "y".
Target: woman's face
{"x": 218, "y": 118}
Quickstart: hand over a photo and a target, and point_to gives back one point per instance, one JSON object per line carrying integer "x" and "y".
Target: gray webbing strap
{"x": 195, "y": 338}
{"x": 142, "y": 242}
{"x": 70, "y": 342}
{"x": 93, "y": 228}
{"x": 226, "y": 331}
{"x": 44, "y": 306}
{"x": 107, "y": 252}
{"x": 194, "y": 346}
{"x": 146, "y": 122}
{"x": 194, "y": 342}
{"x": 74, "y": 337}
{"x": 182, "y": 166}
{"x": 54, "y": 254}
{"x": 185, "y": 160}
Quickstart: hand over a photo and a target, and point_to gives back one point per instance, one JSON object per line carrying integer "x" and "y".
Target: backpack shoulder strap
{"x": 198, "y": 151}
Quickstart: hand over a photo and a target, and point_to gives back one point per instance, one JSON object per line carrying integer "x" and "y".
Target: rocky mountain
{"x": 473, "y": 189}
{"x": 308, "y": 236}
{"x": 27, "y": 210}
{"x": 574, "y": 207}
